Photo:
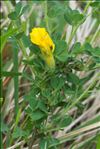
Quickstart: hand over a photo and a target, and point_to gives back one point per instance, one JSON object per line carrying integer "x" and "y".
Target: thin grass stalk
{"x": 16, "y": 86}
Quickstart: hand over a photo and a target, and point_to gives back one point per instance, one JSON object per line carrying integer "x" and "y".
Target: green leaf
{"x": 6, "y": 35}
{"x": 61, "y": 52}
{"x": 28, "y": 110}
{"x": 68, "y": 15}
{"x": 98, "y": 142}
{"x": 4, "y": 127}
{"x": 35, "y": 49}
{"x": 73, "y": 17}
{"x": 69, "y": 91}
{"x": 54, "y": 141}
{"x": 18, "y": 8}
{"x": 37, "y": 115}
{"x": 43, "y": 143}
{"x": 33, "y": 103}
{"x": 13, "y": 15}
{"x": 42, "y": 106}
{"x": 57, "y": 82}
{"x": 92, "y": 51}
{"x": 62, "y": 122}
{"x": 46, "y": 93}
{"x": 10, "y": 74}
{"x": 65, "y": 121}
{"x": 26, "y": 40}
{"x": 95, "y": 51}
{"x": 25, "y": 8}
{"x": 55, "y": 11}
{"x": 76, "y": 48}
{"x": 17, "y": 133}
{"x": 95, "y": 4}
{"x": 73, "y": 78}
{"x": 19, "y": 35}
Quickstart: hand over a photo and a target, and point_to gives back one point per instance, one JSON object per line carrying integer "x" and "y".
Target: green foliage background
{"x": 36, "y": 112}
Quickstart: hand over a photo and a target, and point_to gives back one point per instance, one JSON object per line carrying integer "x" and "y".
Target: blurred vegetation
{"x": 41, "y": 108}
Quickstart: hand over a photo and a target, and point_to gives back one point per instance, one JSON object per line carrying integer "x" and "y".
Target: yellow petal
{"x": 41, "y": 38}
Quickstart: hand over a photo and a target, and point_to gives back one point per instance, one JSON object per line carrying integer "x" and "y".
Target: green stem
{"x": 22, "y": 49}
{"x": 16, "y": 86}
{"x": 33, "y": 139}
{"x": 1, "y": 139}
{"x": 46, "y": 16}
{"x": 87, "y": 6}
{"x": 16, "y": 124}
{"x": 21, "y": 44}
{"x": 81, "y": 97}
{"x": 74, "y": 29}
{"x": 25, "y": 54}
{"x": 1, "y": 99}
{"x": 71, "y": 36}
{"x": 95, "y": 35}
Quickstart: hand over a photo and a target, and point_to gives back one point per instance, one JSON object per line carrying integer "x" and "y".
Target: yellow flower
{"x": 41, "y": 38}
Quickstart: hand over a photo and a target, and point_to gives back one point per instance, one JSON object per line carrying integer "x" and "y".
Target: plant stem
{"x": 16, "y": 124}
{"x": 74, "y": 29}
{"x": 1, "y": 98}
{"x": 76, "y": 132}
{"x": 16, "y": 86}
{"x": 46, "y": 16}
{"x": 83, "y": 129}
{"x": 33, "y": 138}
{"x": 81, "y": 97}
{"x": 95, "y": 35}
{"x": 25, "y": 54}
{"x": 87, "y": 6}
{"x": 22, "y": 49}
{"x": 71, "y": 36}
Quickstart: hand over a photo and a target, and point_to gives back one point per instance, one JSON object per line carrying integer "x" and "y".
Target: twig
{"x": 78, "y": 144}
{"x": 76, "y": 132}
{"x": 16, "y": 145}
